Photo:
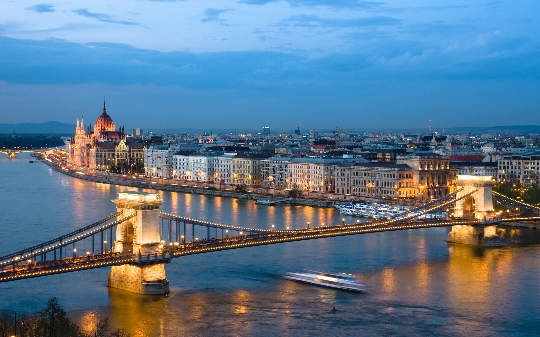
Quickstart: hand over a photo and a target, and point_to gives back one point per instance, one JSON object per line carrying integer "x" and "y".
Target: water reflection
{"x": 140, "y": 315}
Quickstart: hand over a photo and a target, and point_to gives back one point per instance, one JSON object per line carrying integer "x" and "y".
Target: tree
{"x": 532, "y": 196}
{"x": 295, "y": 193}
{"x": 240, "y": 188}
{"x": 53, "y": 321}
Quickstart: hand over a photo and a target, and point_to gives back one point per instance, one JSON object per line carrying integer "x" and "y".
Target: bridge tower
{"x": 480, "y": 202}
{"x": 140, "y": 237}
{"x": 478, "y": 205}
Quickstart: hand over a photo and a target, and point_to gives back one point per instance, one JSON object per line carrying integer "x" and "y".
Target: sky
{"x": 245, "y": 64}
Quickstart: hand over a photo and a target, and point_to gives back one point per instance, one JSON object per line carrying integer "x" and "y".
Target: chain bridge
{"x": 12, "y": 152}
{"x": 138, "y": 240}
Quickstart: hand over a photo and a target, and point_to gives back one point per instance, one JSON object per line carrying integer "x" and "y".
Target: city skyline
{"x": 355, "y": 64}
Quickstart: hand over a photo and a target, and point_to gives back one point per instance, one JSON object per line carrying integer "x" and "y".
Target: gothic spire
{"x": 104, "y": 108}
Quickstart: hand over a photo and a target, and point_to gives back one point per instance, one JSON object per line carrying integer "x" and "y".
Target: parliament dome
{"x": 104, "y": 122}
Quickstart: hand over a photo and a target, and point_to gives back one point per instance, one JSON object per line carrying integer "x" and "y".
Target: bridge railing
{"x": 173, "y": 234}
{"x": 64, "y": 240}
{"x": 520, "y": 204}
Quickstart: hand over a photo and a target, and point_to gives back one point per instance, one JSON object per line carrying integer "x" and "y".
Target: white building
{"x": 313, "y": 174}
{"x": 274, "y": 172}
{"x": 223, "y": 168}
{"x": 181, "y": 165}
{"x": 200, "y": 167}
{"x": 521, "y": 168}
{"x": 158, "y": 161}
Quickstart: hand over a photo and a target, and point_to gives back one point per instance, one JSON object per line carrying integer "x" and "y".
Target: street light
{"x": 343, "y": 220}
{"x": 308, "y": 224}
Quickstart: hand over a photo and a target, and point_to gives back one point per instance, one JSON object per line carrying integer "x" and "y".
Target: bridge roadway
{"x": 178, "y": 249}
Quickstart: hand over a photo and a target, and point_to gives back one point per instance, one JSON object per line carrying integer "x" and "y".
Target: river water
{"x": 418, "y": 283}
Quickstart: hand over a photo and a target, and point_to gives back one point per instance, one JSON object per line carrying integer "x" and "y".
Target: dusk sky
{"x": 254, "y": 63}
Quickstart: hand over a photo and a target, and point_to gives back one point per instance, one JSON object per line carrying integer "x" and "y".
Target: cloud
{"x": 41, "y": 8}
{"x": 212, "y": 14}
{"x": 320, "y": 3}
{"x": 102, "y": 17}
{"x": 316, "y": 21}
{"x": 256, "y": 2}
{"x": 54, "y": 62}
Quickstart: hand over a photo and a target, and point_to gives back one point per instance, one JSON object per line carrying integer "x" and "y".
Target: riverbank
{"x": 118, "y": 179}
{"x": 525, "y": 224}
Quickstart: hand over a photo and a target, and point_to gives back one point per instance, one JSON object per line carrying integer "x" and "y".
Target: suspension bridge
{"x": 139, "y": 239}
{"x": 13, "y": 152}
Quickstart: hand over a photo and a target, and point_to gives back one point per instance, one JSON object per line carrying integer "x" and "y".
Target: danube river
{"x": 418, "y": 283}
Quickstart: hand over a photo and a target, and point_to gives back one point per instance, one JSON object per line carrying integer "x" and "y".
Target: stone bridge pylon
{"x": 480, "y": 201}
{"x": 140, "y": 237}
{"x": 477, "y": 205}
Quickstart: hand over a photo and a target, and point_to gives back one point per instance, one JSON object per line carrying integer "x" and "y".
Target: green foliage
{"x": 530, "y": 195}
{"x": 52, "y": 321}
{"x": 509, "y": 190}
{"x": 295, "y": 193}
{"x": 240, "y": 188}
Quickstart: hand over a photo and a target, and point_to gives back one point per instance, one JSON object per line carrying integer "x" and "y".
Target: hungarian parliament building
{"x": 105, "y": 148}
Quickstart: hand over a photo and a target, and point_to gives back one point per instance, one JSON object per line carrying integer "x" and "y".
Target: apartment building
{"x": 523, "y": 168}
{"x": 246, "y": 169}
{"x": 274, "y": 172}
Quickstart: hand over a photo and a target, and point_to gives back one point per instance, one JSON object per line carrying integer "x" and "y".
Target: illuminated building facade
{"x": 105, "y": 148}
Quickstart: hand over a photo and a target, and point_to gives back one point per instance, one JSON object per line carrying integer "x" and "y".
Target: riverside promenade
{"x": 138, "y": 182}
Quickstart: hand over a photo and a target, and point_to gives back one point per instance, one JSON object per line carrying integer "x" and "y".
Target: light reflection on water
{"x": 418, "y": 284}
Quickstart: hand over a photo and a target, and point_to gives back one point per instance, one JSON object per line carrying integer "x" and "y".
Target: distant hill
{"x": 503, "y": 129}
{"x": 69, "y": 129}
{"x": 48, "y": 127}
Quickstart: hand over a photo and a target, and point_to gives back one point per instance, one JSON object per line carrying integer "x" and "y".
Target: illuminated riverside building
{"x": 420, "y": 175}
{"x": 200, "y": 167}
{"x": 246, "y": 169}
{"x": 275, "y": 172}
{"x": 223, "y": 168}
{"x": 158, "y": 161}
{"x": 105, "y": 148}
{"x": 376, "y": 180}
{"x": 432, "y": 176}
{"x": 180, "y": 165}
{"x": 313, "y": 174}
{"x": 523, "y": 168}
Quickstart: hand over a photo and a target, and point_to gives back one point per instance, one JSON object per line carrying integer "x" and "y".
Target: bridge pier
{"x": 485, "y": 236}
{"x": 139, "y": 237}
{"x": 474, "y": 199}
{"x": 141, "y": 279}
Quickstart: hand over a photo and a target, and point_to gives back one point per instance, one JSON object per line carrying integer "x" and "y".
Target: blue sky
{"x": 248, "y": 63}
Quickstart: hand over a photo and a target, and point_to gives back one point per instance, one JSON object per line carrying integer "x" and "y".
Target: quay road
{"x": 157, "y": 184}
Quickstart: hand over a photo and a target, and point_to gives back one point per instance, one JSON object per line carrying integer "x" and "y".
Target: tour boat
{"x": 265, "y": 202}
{"x": 339, "y": 281}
